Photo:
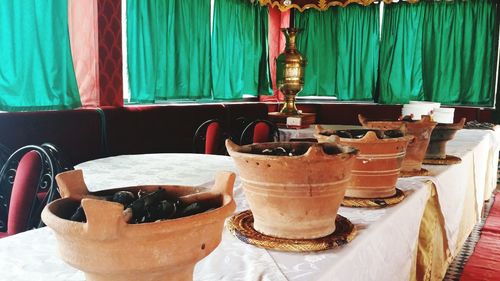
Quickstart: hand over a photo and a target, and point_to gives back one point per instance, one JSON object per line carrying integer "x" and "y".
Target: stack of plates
{"x": 434, "y": 109}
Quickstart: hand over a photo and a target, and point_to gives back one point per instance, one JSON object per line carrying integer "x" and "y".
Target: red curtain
{"x": 82, "y": 22}
{"x": 277, "y": 20}
{"x": 95, "y": 35}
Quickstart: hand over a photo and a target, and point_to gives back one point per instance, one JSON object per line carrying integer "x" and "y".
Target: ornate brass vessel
{"x": 290, "y": 67}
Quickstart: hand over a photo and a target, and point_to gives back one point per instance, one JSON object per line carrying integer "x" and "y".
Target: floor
{"x": 456, "y": 267}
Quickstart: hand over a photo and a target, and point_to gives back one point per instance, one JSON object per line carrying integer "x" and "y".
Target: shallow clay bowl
{"x": 108, "y": 248}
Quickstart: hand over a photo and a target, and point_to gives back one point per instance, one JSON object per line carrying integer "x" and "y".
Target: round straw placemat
{"x": 406, "y": 174}
{"x": 374, "y": 202}
{"x": 449, "y": 160}
{"x": 241, "y": 226}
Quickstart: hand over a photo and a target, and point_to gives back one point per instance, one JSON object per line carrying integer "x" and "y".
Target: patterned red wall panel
{"x": 110, "y": 52}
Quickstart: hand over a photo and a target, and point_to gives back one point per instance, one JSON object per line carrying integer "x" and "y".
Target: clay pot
{"x": 439, "y": 137}
{"x": 421, "y": 130}
{"x": 295, "y": 197}
{"x": 107, "y": 248}
{"x": 377, "y": 166}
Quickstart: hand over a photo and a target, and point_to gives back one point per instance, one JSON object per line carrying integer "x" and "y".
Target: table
{"x": 458, "y": 193}
{"x": 384, "y": 249}
{"x": 457, "y": 196}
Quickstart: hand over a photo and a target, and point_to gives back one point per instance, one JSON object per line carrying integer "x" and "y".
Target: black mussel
{"x": 195, "y": 208}
{"x": 277, "y": 151}
{"x": 408, "y": 118}
{"x": 359, "y": 134}
{"x": 163, "y": 210}
{"x": 344, "y": 134}
{"x": 191, "y": 209}
{"x": 79, "y": 215}
{"x": 140, "y": 206}
{"x": 123, "y": 197}
{"x": 394, "y": 133}
{"x": 267, "y": 151}
{"x": 298, "y": 151}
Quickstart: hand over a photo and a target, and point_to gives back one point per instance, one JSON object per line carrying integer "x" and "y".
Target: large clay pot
{"x": 415, "y": 152}
{"x": 295, "y": 197}
{"x": 439, "y": 137}
{"x": 377, "y": 166}
{"x": 106, "y": 248}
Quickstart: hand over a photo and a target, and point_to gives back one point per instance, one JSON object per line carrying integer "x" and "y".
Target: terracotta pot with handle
{"x": 107, "y": 248}
{"x": 377, "y": 166}
{"x": 415, "y": 152}
{"x": 295, "y": 197}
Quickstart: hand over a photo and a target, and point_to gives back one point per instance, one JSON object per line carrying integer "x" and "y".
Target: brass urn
{"x": 290, "y": 67}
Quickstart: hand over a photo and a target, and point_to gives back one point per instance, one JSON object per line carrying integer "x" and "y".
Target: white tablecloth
{"x": 478, "y": 150}
{"x": 383, "y": 249}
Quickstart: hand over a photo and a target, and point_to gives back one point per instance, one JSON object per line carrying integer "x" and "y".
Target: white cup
{"x": 443, "y": 115}
{"x": 416, "y": 109}
{"x": 432, "y": 105}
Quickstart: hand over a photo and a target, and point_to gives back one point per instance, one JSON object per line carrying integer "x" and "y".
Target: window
{"x": 173, "y": 54}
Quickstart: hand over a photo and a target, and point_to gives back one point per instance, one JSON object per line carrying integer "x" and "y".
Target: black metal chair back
{"x": 260, "y": 130}
{"x": 4, "y": 154}
{"x": 238, "y": 125}
{"x": 52, "y": 163}
{"x": 209, "y": 138}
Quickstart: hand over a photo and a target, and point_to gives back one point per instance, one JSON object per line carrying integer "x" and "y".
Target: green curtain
{"x": 317, "y": 43}
{"x": 400, "y": 59}
{"x": 168, "y": 49}
{"x": 239, "y": 49}
{"x": 440, "y": 51}
{"x": 36, "y": 71}
{"x": 342, "y": 47}
{"x": 459, "y": 61}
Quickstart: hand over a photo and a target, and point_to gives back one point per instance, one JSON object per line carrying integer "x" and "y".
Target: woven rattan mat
{"x": 241, "y": 225}
{"x": 421, "y": 172}
{"x": 449, "y": 160}
{"x": 374, "y": 202}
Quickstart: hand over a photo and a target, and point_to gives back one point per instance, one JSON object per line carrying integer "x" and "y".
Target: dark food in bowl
{"x": 394, "y": 133}
{"x": 408, "y": 118}
{"x": 280, "y": 151}
{"x": 79, "y": 215}
{"x": 123, "y": 197}
{"x": 152, "y": 206}
{"x": 293, "y": 149}
{"x": 359, "y": 134}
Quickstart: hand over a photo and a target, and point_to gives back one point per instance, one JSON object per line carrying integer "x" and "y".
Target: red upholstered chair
{"x": 26, "y": 185}
{"x": 24, "y": 193}
{"x": 209, "y": 138}
{"x": 260, "y": 131}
